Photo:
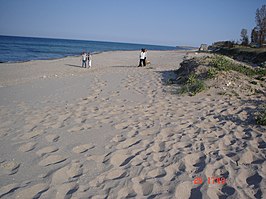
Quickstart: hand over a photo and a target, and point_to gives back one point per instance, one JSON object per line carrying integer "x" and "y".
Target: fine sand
{"x": 113, "y": 131}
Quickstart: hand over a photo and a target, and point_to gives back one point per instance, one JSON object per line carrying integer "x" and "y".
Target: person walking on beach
{"x": 84, "y": 59}
{"x": 145, "y": 59}
{"x": 89, "y": 59}
{"x": 142, "y": 58}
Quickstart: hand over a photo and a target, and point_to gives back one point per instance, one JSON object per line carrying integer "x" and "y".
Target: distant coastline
{"x": 23, "y": 49}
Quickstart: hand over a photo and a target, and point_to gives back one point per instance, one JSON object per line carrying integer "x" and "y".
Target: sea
{"x": 22, "y": 49}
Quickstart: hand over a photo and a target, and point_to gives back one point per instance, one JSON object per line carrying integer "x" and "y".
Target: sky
{"x": 160, "y": 22}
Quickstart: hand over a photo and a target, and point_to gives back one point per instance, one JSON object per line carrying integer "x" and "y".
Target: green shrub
{"x": 261, "y": 72}
{"x": 222, "y": 64}
{"x": 193, "y": 85}
{"x": 261, "y": 116}
{"x": 192, "y": 78}
{"x": 197, "y": 87}
{"x": 212, "y": 72}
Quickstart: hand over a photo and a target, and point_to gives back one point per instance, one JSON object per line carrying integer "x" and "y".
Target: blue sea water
{"x": 20, "y": 49}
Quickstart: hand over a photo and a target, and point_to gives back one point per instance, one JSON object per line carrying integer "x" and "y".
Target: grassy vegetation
{"x": 261, "y": 116}
{"x": 193, "y": 73}
{"x": 244, "y": 53}
{"x": 240, "y": 48}
{"x": 193, "y": 85}
{"x": 212, "y": 72}
{"x": 220, "y": 63}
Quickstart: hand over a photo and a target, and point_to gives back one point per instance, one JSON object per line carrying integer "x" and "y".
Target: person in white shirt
{"x": 142, "y": 58}
{"x": 89, "y": 59}
{"x": 83, "y": 59}
{"x": 145, "y": 61}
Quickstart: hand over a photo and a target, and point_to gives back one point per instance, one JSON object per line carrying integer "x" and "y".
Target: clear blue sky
{"x": 165, "y": 22}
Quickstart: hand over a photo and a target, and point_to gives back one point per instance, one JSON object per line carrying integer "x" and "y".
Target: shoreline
{"x": 19, "y": 72}
{"x": 92, "y": 53}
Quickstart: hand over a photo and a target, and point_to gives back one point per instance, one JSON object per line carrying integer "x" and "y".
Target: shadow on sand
{"x": 78, "y": 66}
{"x": 125, "y": 66}
{"x": 167, "y": 75}
{"x": 250, "y": 112}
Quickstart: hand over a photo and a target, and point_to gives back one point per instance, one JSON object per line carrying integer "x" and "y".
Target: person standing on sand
{"x": 142, "y": 58}
{"x": 89, "y": 59}
{"x": 145, "y": 59}
{"x": 83, "y": 59}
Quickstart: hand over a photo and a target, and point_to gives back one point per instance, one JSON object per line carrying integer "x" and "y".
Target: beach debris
{"x": 228, "y": 84}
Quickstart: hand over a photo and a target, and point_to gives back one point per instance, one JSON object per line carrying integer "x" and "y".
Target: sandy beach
{"x": 114, "y": 131}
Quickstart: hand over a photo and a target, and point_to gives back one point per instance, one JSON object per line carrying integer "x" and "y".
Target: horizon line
{"x": 41, "y": 37}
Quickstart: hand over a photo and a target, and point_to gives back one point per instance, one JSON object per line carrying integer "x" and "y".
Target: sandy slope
{"x": 112, "y": 132}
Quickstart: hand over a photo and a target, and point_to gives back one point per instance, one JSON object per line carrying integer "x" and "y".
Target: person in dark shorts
{"x": 142, "y": 58}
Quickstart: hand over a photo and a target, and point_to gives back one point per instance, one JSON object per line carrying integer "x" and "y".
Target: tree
{"x": 254, "y": 36}
{"x": 244, "y": 37}
{"x": 261, "y": 24}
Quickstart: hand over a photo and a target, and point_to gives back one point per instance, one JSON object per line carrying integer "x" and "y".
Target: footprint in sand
{"x": 195, "y": 162}
{"x": 120, "y": 158}
{"x": 83, "y": 148}
{"x": 141, "y": 187}
{"x": 52, "y": 138}
{"x": 67, "y": 174}
{"x": 30, "y": 135}
{"x": 99, "y": 159}
{"x": 156, "y": 173}
{"x": 122, "y": 125}
{"x": 8, "y": 188}
{"x": 4, "y": 132}
{"x": 132, "y": 133}
{"x": 119, "y": 138}
{"x": 250, "y": 181}
{"x": 149, "y": 132}
{"x": 9, "y": 167}
{"x": 128, "y": 143}
{"x": 158, "y": 147}
{"x": 248, "y": 157}
{"x": 183, "y": 190}
{"x": 76, "y": 129}
{"x": 66, "y": 190}
{"x": 34, "y": 191}
{"x": 46, "y": 150}
{"x": 51, "y": 160}
{"x": 27, "y": 147}
{"x": 126, "y": 192}
{"x": 115, "y": 174}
